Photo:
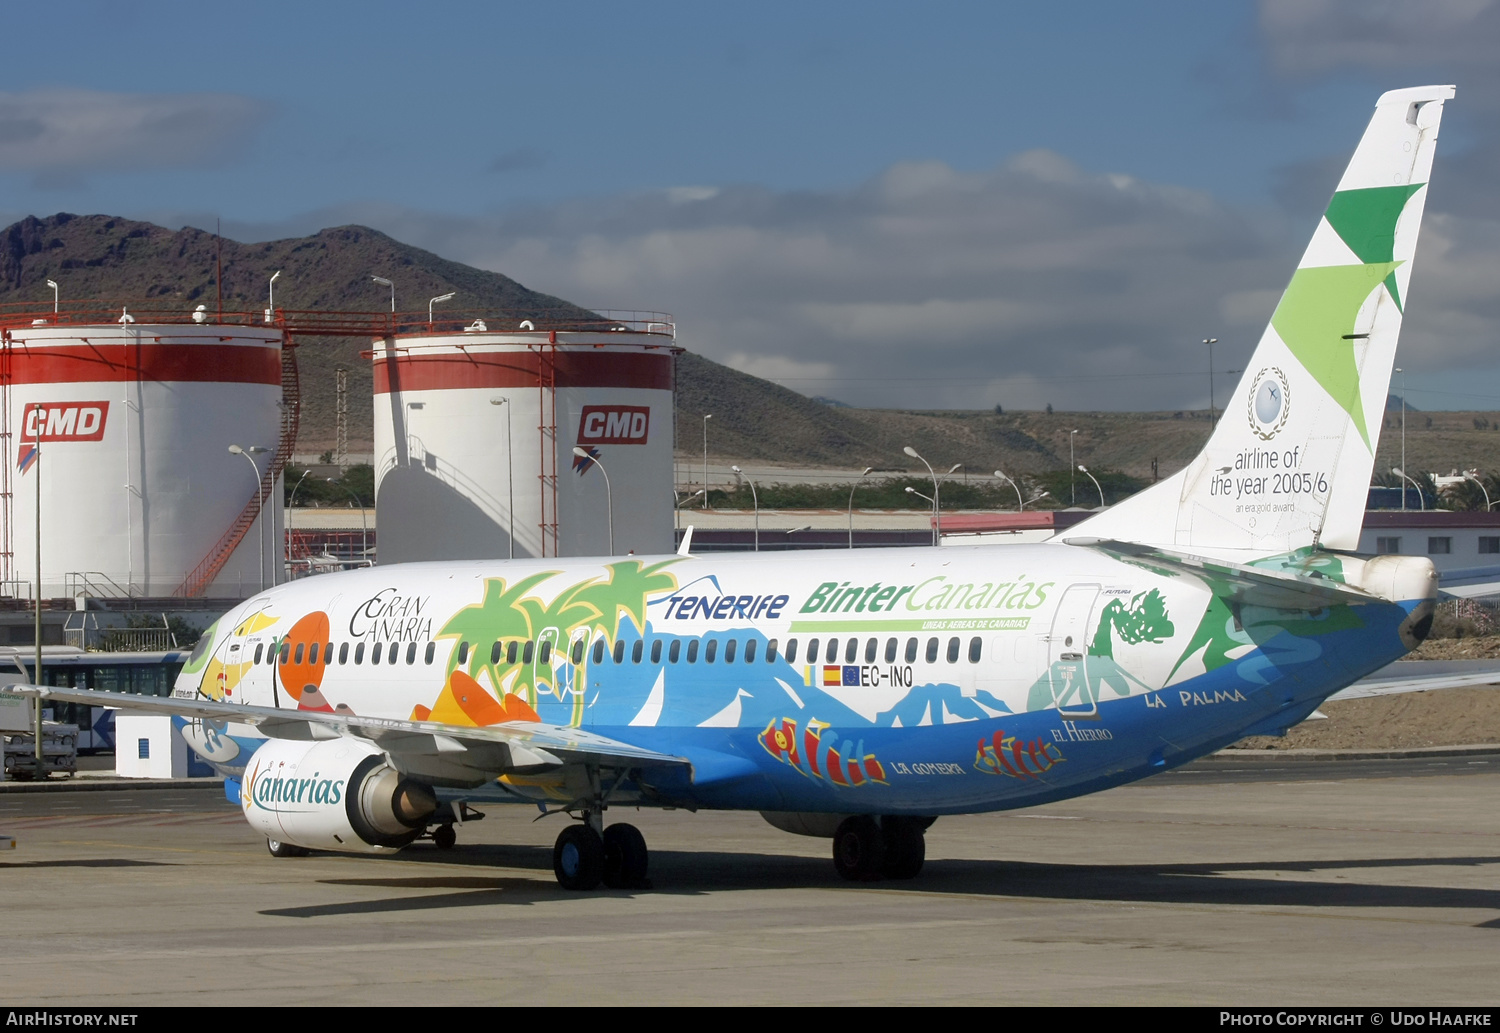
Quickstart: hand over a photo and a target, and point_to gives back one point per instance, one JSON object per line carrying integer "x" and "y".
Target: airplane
{"x": 860, "y": 696}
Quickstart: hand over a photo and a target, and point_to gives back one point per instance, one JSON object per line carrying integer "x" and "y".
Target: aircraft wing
{"x": 440, "y": 751}
{"x": 1423, "y": 676}
{"x": 1250, "y": 585}
{"x": 1470, "y": 582}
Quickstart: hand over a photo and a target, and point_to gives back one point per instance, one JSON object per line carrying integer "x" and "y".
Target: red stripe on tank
{"x": 201, "y": 363}
{"x": 483, "y": 370}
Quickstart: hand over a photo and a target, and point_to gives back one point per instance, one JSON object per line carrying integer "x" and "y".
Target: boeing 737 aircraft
{"x": 861, "y": 695}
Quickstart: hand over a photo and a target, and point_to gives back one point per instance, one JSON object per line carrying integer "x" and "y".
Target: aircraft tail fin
{"x": 1288, "y": 464}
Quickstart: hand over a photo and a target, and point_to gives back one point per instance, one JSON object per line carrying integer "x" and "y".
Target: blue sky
{"x": 934, "y": 204}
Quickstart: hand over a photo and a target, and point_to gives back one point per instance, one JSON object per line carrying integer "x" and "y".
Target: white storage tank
{"x": 128, "y": 426}
{"x": 475, "y": 431}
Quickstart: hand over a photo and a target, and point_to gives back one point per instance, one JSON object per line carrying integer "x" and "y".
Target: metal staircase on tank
{"x": 197, "y": 582}
{"x": 546, "y": 381}
{"x": 7, "y": 450}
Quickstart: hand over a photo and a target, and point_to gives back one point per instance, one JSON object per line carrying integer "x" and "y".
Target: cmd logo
{"x": 614, "y": 425}
{"x": 64, "y": 421}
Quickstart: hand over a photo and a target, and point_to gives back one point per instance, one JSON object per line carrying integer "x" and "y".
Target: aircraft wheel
{"x": 858, "y": 849}
{"x": 443, "y": 837}
{"x": 280, "y": 849}
{"x": 905, "y": 847}
{"x": 578, "y": 858}
{"x": 625, "y": 857}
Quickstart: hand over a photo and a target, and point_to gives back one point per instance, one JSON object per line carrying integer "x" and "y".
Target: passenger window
{"x": 953, "y": 650}
{"x": 976, "y": 646}
{"x": 674, "y": 650}
{"x": 656, "y": 651}
{"x": 771, "y": 651}
{"x": 301, "y": 646}
{"x": 431, "y": 652}
{"x": 637, "y": 650}
{"x": 598, "y": 650}
{"x": 619, "y": 651}
{"x": 832, "y": 652}
{"x": 527, "y": 651}
{"x": 710, "y": 651}
{"x": 312, "y": 653}
{"x": 286, "y": 651}
{"x": 729, "y": 648}
{"x": 692, "y": 656}
{"x": 411, "y": 653}
{"x": 343, "y": 653}
{"x": 890, "y": 650}
{"x": 375, "y": 653}
{"x": 791, "y": 650}
{"x": 359, "y": 653}
{"x": 911, "y": 650}
{"x": 510, "y": 652}
{"x": 577, "y": 652}
{"x": 328, "y": 652}
{"x": 750, "y": 651}
{"x": 932, "y": 648}
{"x": 260, "y": 651}
{"x": 463, "y": 654}
{"x": 872, "y": 648}
{"x": 544, "y": 655}
{"x": 390, "y": 656}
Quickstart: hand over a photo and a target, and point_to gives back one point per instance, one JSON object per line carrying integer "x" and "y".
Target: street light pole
{"x": 1210, "y": 341}
{"x": 1072, "y": 488}
{"x": 756, "y": 498}
{"x": 937, "y": 513}
{"x": 1085, "y": 469}
{"x": 609, "y": 497}
{"x": 1401, "y": 472}
{"x": 260, "y": 505}
{"x": 1403, "y": 435}
{"x": 287, "y": 530}
{"x": 913, "y": 491}
{"x": 53, "y": 285}
{"x": 271, "y": 296}
{"x": 387, "y": 283}
{"x": 706, "y": 418}
{"x": 865, "y": 473}
{"x": 433, "y": 301}
{"x": 364, "y": 526}
{"x": 1470, "y": 475}
{"x": 1020, "y": 503}
{"x": 510, "y": 476}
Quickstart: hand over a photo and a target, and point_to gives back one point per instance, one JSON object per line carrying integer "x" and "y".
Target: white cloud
{"x": 83, "y": 131}
{"x": 1033, "y": 282}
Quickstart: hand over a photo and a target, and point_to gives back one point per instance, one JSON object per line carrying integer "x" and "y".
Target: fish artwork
{"x": 1007, "y": 755}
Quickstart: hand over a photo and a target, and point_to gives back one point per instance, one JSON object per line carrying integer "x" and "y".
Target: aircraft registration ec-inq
{"x": 861, "y": 695}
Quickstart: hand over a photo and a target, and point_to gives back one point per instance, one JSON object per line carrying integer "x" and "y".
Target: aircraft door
{"x": 1067, "y": 653}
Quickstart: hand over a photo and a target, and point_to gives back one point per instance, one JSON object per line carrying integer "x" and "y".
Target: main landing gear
{"x": 588, "y": 854}
{"x": 866, "y": 848}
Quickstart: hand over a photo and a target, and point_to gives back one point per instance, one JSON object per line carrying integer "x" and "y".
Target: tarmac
{"x": 1243, "y": 880}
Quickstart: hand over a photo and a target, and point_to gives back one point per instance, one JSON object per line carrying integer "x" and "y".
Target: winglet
{"x": 687, "y": 542}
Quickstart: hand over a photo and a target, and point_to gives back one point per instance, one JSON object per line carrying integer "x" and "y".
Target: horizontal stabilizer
{"x": 1248, "y": 585}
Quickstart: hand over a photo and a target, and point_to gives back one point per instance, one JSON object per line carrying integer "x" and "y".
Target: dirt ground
{"x": 1444, "y": 717}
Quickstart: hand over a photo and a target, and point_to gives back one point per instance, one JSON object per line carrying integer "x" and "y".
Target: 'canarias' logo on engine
{"x": 271, "y": 793}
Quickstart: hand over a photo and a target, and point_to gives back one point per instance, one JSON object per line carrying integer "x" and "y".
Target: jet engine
{"x": 338, "y": 794}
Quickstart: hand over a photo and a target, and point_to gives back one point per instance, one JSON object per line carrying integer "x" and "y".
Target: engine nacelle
{"x": 338, "y": 794}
